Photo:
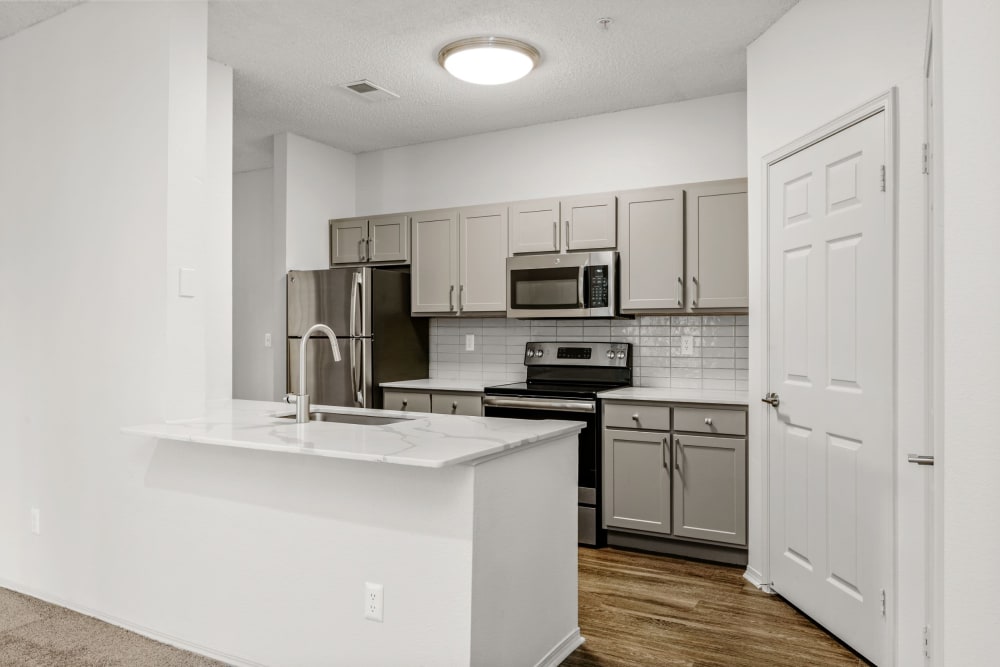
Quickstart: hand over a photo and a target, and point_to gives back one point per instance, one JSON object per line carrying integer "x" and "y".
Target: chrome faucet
{"x": 301, "y": 399}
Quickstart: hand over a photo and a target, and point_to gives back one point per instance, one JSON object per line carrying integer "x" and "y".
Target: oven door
{"x": 547, "y": 286}
{"x": 585, "y": 411}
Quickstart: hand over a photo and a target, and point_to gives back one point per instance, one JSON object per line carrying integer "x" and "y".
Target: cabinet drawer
{"x": 710, "y": 420}
{"x": 407, "y": 401}
{"x": 637, "y": 415}
{"x": 457, "y": 404}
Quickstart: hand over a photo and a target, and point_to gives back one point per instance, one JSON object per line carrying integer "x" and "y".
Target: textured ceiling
{"x": 289, "y": 58}
{"x": 16, "y": 16}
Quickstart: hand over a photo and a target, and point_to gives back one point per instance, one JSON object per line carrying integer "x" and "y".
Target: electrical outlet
{"x": 687, "y": 346}
{"x": 470, "y": 342}
{"x": 36, "y": 521}
{"x": 373, "y": 601}
{"x": 267, "y": 340}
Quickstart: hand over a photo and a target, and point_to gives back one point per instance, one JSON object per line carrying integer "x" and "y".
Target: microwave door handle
{"x": 584, "y": 278}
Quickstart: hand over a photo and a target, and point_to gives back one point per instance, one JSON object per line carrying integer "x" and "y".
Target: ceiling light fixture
{"x": 488, "y": 61}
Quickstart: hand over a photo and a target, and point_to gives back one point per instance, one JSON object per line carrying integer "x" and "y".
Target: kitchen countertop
{"x": 678, "y": 395}
{"x": 430, "y": 441}
{"x": 430, "y": 384}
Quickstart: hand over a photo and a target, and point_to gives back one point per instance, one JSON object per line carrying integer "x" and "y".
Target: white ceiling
{"x": 289, "y": 58}
{"x": 16, "y": 16}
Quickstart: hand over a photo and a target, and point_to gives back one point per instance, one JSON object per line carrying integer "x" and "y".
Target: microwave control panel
{"x": 598, "y": 286}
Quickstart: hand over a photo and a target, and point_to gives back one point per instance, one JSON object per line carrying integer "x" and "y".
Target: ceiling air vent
{"x": 367, "y": 90}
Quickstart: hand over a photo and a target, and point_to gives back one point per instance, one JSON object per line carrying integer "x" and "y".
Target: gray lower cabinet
{"x": 710, "y": 494}
{"x": 660, "y": 480}
{"x": 637, "y": 480}
{"x": 469, "y": 404}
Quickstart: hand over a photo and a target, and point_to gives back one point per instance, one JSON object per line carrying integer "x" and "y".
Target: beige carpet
{"x": 38, "y": 634}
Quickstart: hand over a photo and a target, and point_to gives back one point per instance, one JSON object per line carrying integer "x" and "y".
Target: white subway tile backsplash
{"x": 719, "y": 359}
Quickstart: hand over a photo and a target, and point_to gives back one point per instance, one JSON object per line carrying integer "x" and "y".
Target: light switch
{"x": 186, "y": 283}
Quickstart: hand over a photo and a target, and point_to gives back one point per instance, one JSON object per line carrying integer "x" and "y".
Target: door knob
{"x": 708, "y": 421}
{"x": 772, "y": 398}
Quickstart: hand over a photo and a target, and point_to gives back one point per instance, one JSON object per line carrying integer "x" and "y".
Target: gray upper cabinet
{"x": 459, "y": 261}
{"x": 482, "y": 259}
{"x": 710, "y": 488}
{"x": 434, "y": 277}
{"x": 637, "y": 480}
{"x": 380, "y": 239}
{"x": 589, "y": 222}
{"x": 651, "y": 247}
{"x": 586, "y": 222}
{"x": 717, "y": 245}
{"x": 534, "y": 227}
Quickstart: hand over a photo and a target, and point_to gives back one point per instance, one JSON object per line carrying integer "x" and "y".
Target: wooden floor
{"x": 638, "y": 610}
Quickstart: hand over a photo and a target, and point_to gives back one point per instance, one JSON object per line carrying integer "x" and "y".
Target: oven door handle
{"x": 540, "y": 404}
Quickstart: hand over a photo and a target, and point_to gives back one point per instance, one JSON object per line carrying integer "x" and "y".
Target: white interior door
{"x": 830, "y": 350}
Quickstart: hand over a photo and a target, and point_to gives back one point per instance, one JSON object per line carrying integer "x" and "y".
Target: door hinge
{"x": 927, "y": 641}
{"x": 883, "y": 178}
{"x": 883, "y": 603}
{"x": 927, "y": 159}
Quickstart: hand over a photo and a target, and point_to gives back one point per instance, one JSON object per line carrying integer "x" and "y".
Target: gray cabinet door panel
{"x": 407, "y": 401}
{"x": 534, "y": 226}
{"x": 717, "y": 245}
{"x": 637, "y": 480}
{"x": 651, "y": 248}
{"x": 483, "y": 272}
{"x": 589, "y": 222}
{"x": 434, "y": 279}
{"x": 347, "y": 241}
{"x": 710, "y": 488}
{"x": 389, "y": 237}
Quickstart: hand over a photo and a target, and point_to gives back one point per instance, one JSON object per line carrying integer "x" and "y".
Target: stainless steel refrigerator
{"x": 369, "y": 310}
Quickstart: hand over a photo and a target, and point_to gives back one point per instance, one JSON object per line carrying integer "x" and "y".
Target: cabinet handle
{"x": 451, "y": 298}
{"x": 680, "y": 292}
{"x": 404, "y": 403}
{"x": 635, "y": 417}
{"x": 677, "y": 455}
{"x": 361, "y": 249}
{"x": 567, "y": 235}
{"x": 555, "y": 234}
{"x": 454, "y": 406}
{"x": 708, "y": 421}
{"x": 368, "y": 243}
{"x": 697, "y": 291}
{"x": 461, "y": 297}
{"x": 665, "y": 444}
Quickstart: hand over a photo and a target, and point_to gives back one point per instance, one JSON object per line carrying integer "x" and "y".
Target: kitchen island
{"x": 468, "y": 524}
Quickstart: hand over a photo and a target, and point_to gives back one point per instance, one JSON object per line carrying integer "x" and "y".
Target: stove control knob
{"x": 621, "y": 354}
{"x": 611, "y": 354}
{"x": 530, "y": 353}
{"x": 539, "y": 353}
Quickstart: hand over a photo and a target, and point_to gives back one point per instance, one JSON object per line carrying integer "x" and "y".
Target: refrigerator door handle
{"x": 359, "y": 393}
{"x": 355, "y": 295}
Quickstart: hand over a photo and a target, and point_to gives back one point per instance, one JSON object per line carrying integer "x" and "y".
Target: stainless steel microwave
{"x": 576, "y": 284}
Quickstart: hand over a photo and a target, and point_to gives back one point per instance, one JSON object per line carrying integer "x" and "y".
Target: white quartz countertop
{"x": 430, "y": 441}
{"x": 716, "y": 396}
{"x": 436, "y": 385}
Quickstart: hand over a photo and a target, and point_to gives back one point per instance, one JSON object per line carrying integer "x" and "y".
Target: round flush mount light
{"x": 488, "y": 61}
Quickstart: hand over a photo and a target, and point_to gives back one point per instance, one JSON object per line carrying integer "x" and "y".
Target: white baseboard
{"x": 755, "y": 578}
{"x": 133, "y": 627}
{"x": 561, "y": 651}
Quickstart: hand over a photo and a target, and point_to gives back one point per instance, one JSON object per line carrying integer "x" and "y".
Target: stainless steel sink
{"x": 348, "y": 418}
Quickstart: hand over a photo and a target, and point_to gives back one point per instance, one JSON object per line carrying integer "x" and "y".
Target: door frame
{"x": 884, "y": 103}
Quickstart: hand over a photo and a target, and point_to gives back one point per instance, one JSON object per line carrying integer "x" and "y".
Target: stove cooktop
{"x": 538, "y": 389}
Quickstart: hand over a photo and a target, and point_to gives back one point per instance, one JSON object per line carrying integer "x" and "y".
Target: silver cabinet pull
{"x": 461, "y": 297}
{"x": 567, "y": 235}
{"x": 677, "y": 455}
{"x": 665, "y": 445}
{"x": 708, "y": 421}
{"x": 920, "y": 459}
{"x": 404, "y": 403}
{"x": 697, "y": 291}
{"x": 451, "y": 298}
{"x": 771, "y": 398}
{"x": 361, "y": 250}
{"x": 555, "y": 234}
{"x": 635, "y": 417}
{"x": 454, "y": 406}
{"x": 368, "y": 242}
{"x": 680, "y": 292}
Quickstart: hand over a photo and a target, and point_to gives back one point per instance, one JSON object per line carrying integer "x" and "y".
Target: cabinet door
{"x": 710, "y": 493}
{"x": 347, "y": 241}
{"x": 389, "y": 237}
{"x": 717, "y": 245}
{"x": 534, "y": 226}
{"x": 482, "y": 259}
{"x": 590, "y": 222}
{"x": 637, "y": 480}
{"x": 470, "y": 405}
{"x": 434, "y": 275}
{"x": 652, "y": 249}
{"x": 406, "y": 401}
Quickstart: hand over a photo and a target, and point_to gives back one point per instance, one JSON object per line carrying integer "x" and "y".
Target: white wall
{"x": 968, "y": 159}
{"x": 253, "y": 286}
{"x": 696, "y": 140}
{"x": 219, "y": 233}
{"x": 817, "y": 62}
{"x": 102, "y": 177}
